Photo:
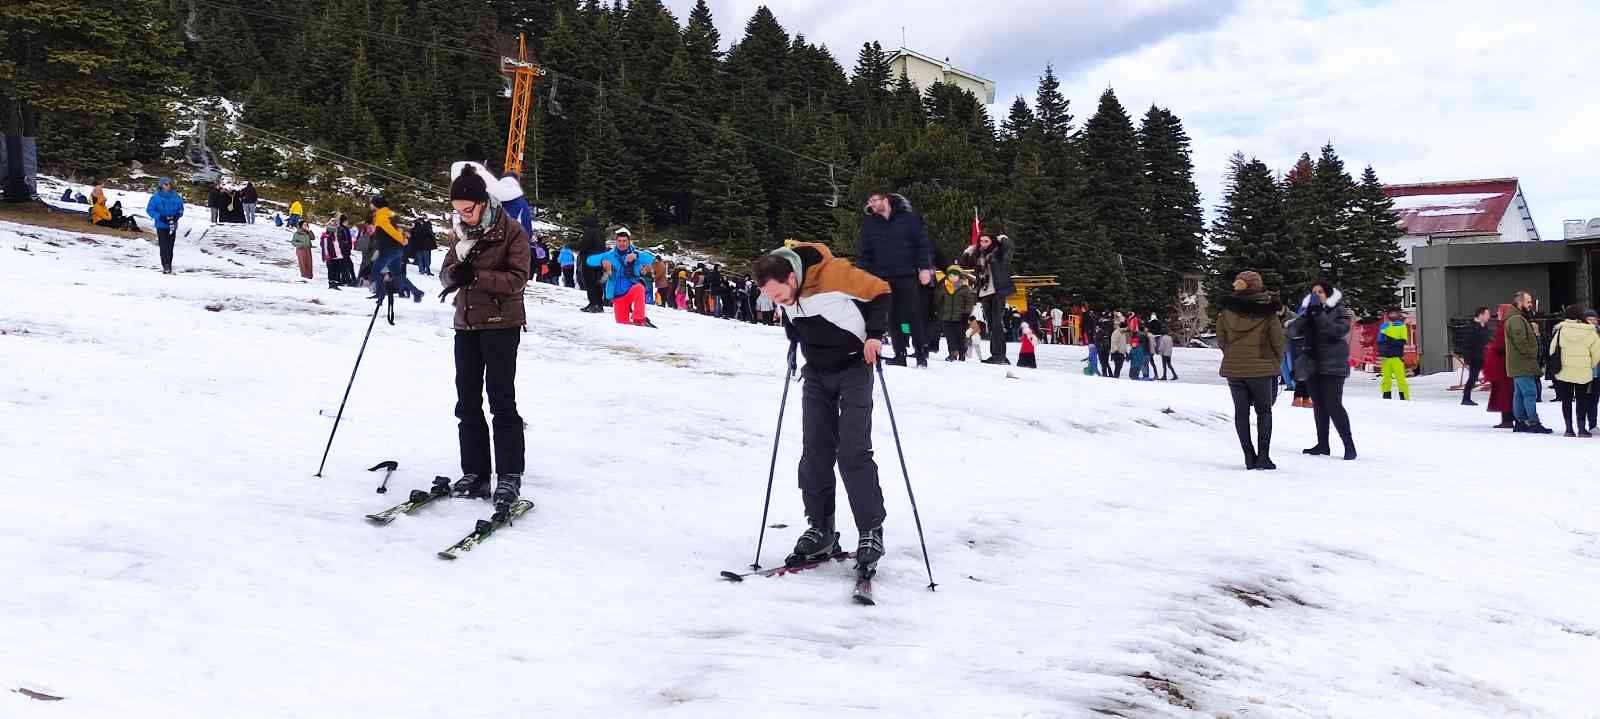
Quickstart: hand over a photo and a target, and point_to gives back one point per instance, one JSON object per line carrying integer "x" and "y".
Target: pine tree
{"x": 97, "y": 75}
{"x": 701, "y": 43}
{"x": 730, "y": 210}
{"x": 1018, "y": 124}
{"x": 1251, "y": 231}
{"x": 566, "y": 108}
{"x": 1171, "y": 199}
{"x": 1052, "y": 126}
{"x": 1377, "y": 264}
{"x": 1112, "y": 178}
{"x": 1327, "y": 233}
{"x": 680, "y": 145}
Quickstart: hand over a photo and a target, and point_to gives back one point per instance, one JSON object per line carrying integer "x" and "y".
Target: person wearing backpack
{"x": 1574, "y": 353}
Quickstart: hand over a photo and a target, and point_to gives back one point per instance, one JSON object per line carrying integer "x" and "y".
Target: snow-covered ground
{"x": 167, "y": 552}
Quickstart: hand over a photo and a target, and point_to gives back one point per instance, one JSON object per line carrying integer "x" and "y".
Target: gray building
{"x": 1453, "y": 280}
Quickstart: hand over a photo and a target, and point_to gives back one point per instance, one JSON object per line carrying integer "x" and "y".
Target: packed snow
{"x": 1099, "y": 550}
{"x": 1459, "y": 199}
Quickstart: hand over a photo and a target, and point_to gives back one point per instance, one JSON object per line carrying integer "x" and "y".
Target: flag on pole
{"x": 975, "y": 229}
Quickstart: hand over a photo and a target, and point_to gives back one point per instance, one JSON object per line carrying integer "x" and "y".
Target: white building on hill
{"x": 924, "y": 71}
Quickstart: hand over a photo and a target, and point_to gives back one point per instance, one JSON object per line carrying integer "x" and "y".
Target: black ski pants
{"x": 908, "y": 308}
{"x": 488, "y": 356}
{"x": 836, "y": 426}
{"x": 955, "y": 335}
{"x": 1327, "y": 405}
{"x": 1117, "y": 358}
{"x": 1574, "y": 394}
{"x": 1167, "y": 368}
{"x": 1474, "y": 368}
{"x": 1258, "y": 393}
{"x": 994, "y": 313}
{"x": 166, "y": 239}
{"x": 593, "y": 285}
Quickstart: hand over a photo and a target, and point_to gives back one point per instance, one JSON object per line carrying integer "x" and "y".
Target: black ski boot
{"x": 471, "y": 486}
{"x": 868, "y": 551}
{"x": 817, "y": 543}
{"x": 507, "y": 491}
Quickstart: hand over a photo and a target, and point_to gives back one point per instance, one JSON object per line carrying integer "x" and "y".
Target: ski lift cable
{"x": 468, "y": 52}
{"x": 340, "y": 159}
{"x": 335, "y": 157}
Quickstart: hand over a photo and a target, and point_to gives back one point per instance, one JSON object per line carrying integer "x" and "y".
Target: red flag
{"x": 975, "y": 229}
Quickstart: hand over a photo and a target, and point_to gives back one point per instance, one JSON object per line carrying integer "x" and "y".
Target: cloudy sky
{"x": 1421, "y": 90}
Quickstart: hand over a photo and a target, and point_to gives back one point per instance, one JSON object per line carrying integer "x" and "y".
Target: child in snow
{"x": 975, "y": 330}
{"x": 1138, "y": 355}
{"x": 1025, "y": 357}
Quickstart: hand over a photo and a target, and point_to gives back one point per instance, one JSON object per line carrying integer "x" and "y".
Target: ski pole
{"x": 772, "y": 469}
{"x": 388, "y": 467}
{"x": 347, "y": 387}
{"x": 898, "y": 450}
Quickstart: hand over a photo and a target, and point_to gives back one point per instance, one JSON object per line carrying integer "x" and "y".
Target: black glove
{"x": 464, "y": 274}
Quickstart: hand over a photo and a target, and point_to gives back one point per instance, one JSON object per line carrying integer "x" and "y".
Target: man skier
{"x": 835, "y": 313}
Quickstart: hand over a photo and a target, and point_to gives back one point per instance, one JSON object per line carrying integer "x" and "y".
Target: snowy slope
{"x": 1098, "y": 550}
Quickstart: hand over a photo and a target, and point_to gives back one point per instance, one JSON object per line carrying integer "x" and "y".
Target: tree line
{"x": 644, "y": 120}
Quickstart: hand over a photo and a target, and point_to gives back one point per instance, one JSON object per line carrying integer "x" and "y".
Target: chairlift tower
{"x": 522, "y": 73}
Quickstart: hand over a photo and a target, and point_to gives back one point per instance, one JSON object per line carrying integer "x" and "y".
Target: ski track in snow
{"x": 1099, "y": 551}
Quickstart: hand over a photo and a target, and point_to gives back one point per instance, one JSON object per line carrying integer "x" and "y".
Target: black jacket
{"x": 248, "y": 194}
{"x": 422, "y": 238}
{"x": 593, "y": 242}
{"x": 1473, "y": 340}
{"x": 896, "y": 247}
{"x": 998, "y": 261}
{"x": 1320, "y": 337}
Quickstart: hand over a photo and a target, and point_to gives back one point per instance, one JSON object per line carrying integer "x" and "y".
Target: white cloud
{"x": 1420, "y": 90}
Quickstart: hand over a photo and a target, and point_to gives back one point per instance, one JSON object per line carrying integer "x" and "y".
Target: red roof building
{"x": 1468, "y": 210}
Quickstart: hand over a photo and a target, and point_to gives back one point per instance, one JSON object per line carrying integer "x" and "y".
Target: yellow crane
{"x": 522, "y": 73}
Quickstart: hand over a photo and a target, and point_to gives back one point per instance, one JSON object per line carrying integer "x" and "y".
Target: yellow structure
{"x": 1023, "y": 283}
{"x": 522, "y": 74}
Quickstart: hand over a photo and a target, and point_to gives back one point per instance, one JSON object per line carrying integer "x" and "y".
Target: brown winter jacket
{"x": 501, "y": 256}
{"x": 1250, "y": 335}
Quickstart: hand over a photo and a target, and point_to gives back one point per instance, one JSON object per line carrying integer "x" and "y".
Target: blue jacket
{"x": 622, "y": 281}
{"x": 1392, "y": 338}
{"x": 567, "y": 258}
{"x": 163, "y": 204}
{"x": 896, "y": 247}
{"x": 519, "y": 210}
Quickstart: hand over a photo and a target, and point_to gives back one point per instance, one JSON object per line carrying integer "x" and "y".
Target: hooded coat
{"x": 895, "y": 247}
{"x": 1321, "y": 338}
{"x": 993, "y": 267}
{"x": 1250, "y": 335}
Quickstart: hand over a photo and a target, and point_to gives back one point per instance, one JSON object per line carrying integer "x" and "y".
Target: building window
{"x": 1408, "y": 298}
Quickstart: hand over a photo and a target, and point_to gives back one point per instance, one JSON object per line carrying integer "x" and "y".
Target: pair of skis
{"x": 860, "y": 594}
{"x": 441, "y": 490}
